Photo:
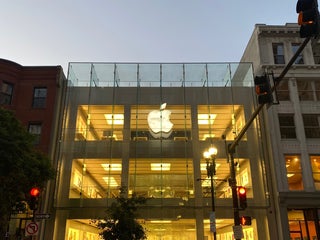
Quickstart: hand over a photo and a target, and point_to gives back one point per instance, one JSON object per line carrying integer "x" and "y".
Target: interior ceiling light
{"x": 111, "y": 181}
{"x": 111, "y": 167}
{"x": 160, "y": 221}
{"x": 114, "y": 119}
{"x": 160, "y": 166}
{"x": 206, "y": 118}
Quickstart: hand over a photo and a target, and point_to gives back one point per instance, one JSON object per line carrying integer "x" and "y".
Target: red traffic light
{"x": 242, "y": 194}
{"x": 263, "y": 89}
{"x": 245, "y": 220}
{"x": 35, "y": 192}
{"x": 242, "y": 190}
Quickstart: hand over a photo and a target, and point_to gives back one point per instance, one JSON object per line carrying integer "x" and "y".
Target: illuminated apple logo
{"x": 159, "y": 122}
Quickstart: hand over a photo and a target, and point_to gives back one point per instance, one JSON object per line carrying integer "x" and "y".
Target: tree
{"x": 21, "y": 165}
{"x": 120, "y": 222}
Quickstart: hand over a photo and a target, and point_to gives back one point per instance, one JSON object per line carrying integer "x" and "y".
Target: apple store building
{"x": 144, "y": 128}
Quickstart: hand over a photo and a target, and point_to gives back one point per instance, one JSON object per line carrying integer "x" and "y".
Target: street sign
{"x": 237, "y": 232}
{"x": 40, "y": 216}
{"x": 32, "y": 228}
{"x": 212, "y": 222}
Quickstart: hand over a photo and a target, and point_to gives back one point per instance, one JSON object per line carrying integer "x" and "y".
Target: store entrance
{"x": 304, "y": 224}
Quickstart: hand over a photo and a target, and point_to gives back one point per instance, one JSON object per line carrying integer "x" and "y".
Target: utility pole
{"x": 232, "y": 146}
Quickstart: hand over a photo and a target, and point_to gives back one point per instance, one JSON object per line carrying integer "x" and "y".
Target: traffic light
{"x": 242, "y": 194}
{"x": 263, "y": 89}
{"x": 34, "y": 198}
{"x": 308, "y": 18}
{"x": 245, "y": 220}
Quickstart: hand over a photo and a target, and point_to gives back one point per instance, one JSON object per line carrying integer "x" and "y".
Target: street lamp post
{"x": 210, "y": 157}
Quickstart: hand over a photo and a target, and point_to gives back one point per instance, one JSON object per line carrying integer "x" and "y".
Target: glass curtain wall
{"x": 136, "y": 125}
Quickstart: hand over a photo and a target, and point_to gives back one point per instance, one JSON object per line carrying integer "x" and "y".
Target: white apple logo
{"x": 159, "y": 122}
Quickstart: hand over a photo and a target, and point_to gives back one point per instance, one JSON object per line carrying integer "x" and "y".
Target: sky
{"x": 56, "y": 32}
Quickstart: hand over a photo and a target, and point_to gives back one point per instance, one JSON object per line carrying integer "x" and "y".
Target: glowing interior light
{"x": 160, "y": 166}
{"x": 114, "y": 119}
{"x": 111, "y": 181}
{"x": 206, "y": 118}
{"x": 111, "y": 167}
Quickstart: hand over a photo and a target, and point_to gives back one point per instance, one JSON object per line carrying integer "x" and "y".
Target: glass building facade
{"x": 143, "y": 128}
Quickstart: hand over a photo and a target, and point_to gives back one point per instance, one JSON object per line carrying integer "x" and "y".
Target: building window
{"x": 167, "y": 122}
{"x": 283, "y": 91}
{"x": 315, "y": 164}
{"x": 311, "y": 125}
{"x": 294, "y": 172}
{"x": 215, "y": 121}
{"x": 295, "y": 47}
{"x": 305, "y": 90}
{"x": 317, "y": 89}
{"x": 95, "y": 178}
{"x": 35, "y": 130}
{"x": 39, "y": 97}
{"x": 99, "y": 122}
{"x": 278, "y": 53}
{"x": 287, "y": 126}
{"x": 6, "y": 93}
{"x": 161, "y": 177}
{"x": 303, "y": 223}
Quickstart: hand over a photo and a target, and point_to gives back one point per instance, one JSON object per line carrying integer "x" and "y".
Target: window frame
{"x": 39, "y": 101}
{"x": 36, "y": 134}
{"x": 311, "y": 126}
{"x": 284, "y": 136}
{"x": 294, "y": 48}
{"x": 278, "y": 58}
{"x": 5, "y": 94}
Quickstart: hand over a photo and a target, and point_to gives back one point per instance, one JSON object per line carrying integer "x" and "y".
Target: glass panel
{"x": 287, "y": 127}
{"x": 305, "y": 90}
{"x": 302, "y": 223}
{"x": 294, "y": 172}
{"x": 295, "y": 219}
{"x": 6, "y": 93}
{"x": 283, "y": 91}
{"x": 95, "y": 178}
{"x": 278, "y": 53}
{"x": 39, "y": 97}
{"x": 171, "y": 122}
{"x": 311, "y": 125}
{"x": 81, "y": 229}
{"x": 315, "y": 164}
{"x": 295, "y": 47}
{"x": 161, "y": 178}
{"x": 317, "y": 88}
{"x": 99, "y": 122}
{"x": 184, "y": 229}
{"x": 35, "y": 129}
{"x": 225, "y": 230}
{"x": 165, "y": 75}
{"x": 217, "y": 120}
{"x": 221, "y": 184}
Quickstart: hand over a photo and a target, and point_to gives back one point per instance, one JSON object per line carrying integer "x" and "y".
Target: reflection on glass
{"x": 302, "y": 223}
{"x": 315, "y": 164}
{"x": 222, "y": 188}
{"x": 95, "y": 178}
{"x": 214, "y": 121}
{"x": 99, "y": 122}
{"x": 161, "y": 178}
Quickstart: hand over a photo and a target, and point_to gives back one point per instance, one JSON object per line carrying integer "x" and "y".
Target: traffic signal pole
{"x": 232, "y": 146}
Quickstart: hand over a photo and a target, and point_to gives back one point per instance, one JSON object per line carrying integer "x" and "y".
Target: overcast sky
{"x": 56, "y": 32}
